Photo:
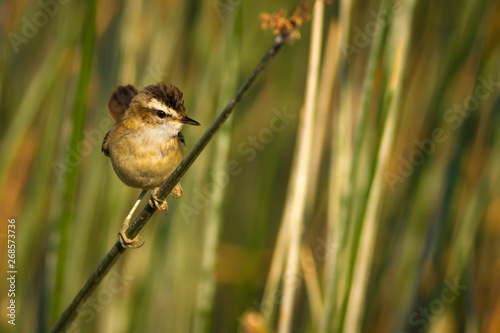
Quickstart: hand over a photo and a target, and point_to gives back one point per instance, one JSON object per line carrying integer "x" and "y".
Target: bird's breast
{"x": 146, "y": 159}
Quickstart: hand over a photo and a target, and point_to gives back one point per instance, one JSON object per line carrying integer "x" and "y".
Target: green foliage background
{"x": 402, "y": 200}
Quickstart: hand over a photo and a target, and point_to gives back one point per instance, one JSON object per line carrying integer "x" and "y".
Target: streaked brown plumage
{"x": 145, "y": 144}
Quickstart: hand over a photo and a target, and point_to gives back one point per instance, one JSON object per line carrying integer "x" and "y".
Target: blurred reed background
{"x": 355, "y": 188}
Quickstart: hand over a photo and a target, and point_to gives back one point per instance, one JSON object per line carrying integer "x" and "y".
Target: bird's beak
{"x": 188, "y": 121}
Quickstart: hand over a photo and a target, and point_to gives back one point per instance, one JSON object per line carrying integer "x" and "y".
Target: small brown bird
{"x": 145, "y": 144}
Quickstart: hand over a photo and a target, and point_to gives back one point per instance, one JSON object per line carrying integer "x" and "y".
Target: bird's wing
{"x": 119, "y": 101}
{"x": 181, "y": 139}
{"x": 105, "y": 148}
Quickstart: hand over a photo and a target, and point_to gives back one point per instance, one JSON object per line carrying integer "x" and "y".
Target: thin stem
{"x": 296, "y": 200}
{"x": 140, "y": 221}
{"x": 312, "y": 285}
{"x": 71, "y": 177}
{"x": 214, "y": 213}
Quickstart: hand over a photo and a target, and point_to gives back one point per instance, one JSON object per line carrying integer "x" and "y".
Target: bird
{"x": 146, "y": 144}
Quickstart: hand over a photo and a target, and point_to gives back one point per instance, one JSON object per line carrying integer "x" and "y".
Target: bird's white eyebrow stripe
{"x": 157, "y": 105}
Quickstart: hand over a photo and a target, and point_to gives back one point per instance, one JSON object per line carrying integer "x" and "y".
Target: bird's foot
{"x": 126, "y": 242}
{"x": 161, "y": 205}
{"x": 177, "y": 191}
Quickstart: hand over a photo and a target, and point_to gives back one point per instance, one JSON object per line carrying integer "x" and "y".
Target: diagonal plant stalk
{"x": 140, "y": 221}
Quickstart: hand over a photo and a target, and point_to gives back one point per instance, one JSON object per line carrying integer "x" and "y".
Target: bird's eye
{"x": 161, "y": 114}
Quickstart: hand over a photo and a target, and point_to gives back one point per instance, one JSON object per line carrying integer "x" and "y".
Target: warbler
{"x": 146, "y": 144}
